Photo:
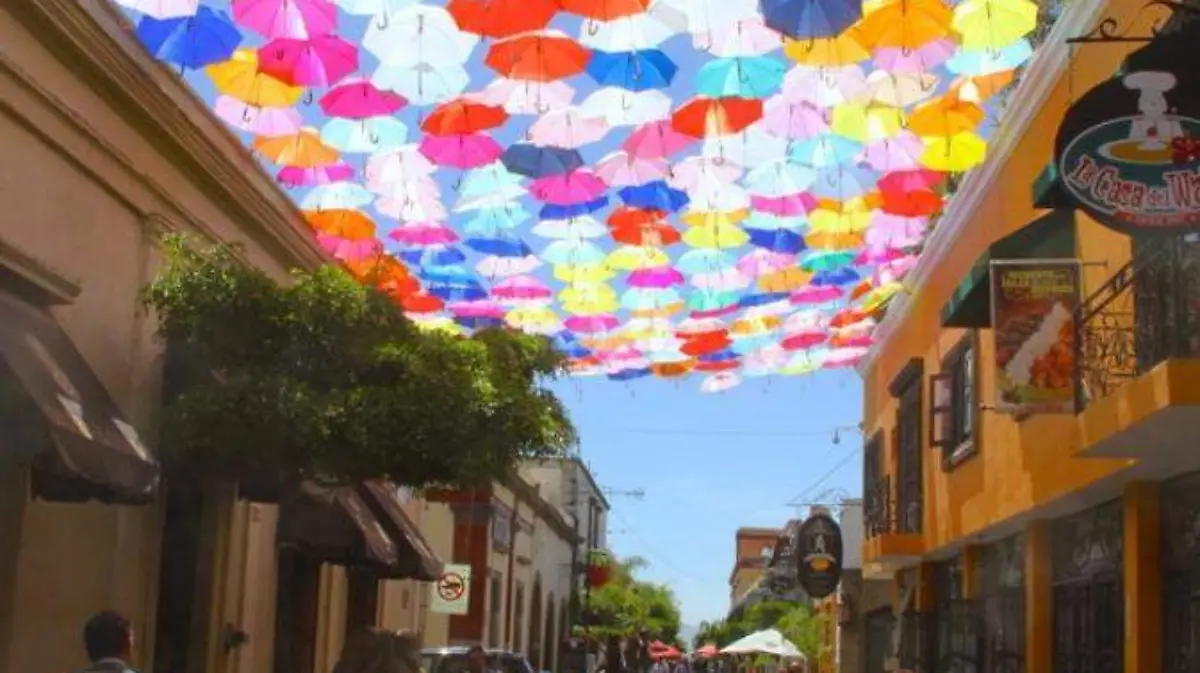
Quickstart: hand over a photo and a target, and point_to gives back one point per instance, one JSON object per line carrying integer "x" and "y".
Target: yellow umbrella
{"x": 784, "y": 280}
{"x": 994, "y": 24}
{"x": 720, "y": 237}
{"x": 303, "y": 149}
{"x": 845, "y": 49}
{"x": 239, "y": 78}
{"x": 849, "y": 120}
{"x": 437, "y": 323}
{"x": 706, "y": 218}
{"x": 632, "y": 257}
{"x": 588, "y": 299}
{"x": 751, "y": 325}
{"x": 533, "y": 318}
{"x": 833, "y": 240}
{"x": 905, "y": 24}
{"x": 664, "y": 311}
{"x": 878, "y": 297}
{"x": 884, "y": 122}
{"x": 800, "y": 364}
{"x": 606, "y": 342}
{"x": 954, "y": 154}
{"x": 583, "y": 273}
{"x": 845, "y": 220}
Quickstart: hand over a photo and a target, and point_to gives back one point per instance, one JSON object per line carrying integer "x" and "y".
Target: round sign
{"x": 450, "y": 587}
{"x": 818, "y": 552}
{"x": 1128, "y": 151}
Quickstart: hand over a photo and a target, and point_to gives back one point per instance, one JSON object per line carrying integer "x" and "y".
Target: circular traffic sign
{"x": 450, "y": 586}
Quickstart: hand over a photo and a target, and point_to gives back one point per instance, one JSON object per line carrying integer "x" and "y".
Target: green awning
{"x": 1048, "y": 190}
{"x": 1051, "y": 236}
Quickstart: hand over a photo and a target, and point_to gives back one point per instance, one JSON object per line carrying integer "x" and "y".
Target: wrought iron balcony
{"x": 878, "y": 511}
{"x": 1146, "y": 313}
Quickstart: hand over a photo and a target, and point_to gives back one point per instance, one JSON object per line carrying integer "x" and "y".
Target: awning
{"x": 334, "y": 525}
{"x": 415, "y": 559}
{"x": 1051, "y": 236}
{"x": 56, "y": 415}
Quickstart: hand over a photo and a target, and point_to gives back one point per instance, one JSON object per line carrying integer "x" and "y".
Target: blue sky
{"x": 710, "y": 464}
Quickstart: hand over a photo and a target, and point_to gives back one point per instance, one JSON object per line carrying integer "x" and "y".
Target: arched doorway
{"x": 535, "y": 626}
{"x": 549, "y": 642}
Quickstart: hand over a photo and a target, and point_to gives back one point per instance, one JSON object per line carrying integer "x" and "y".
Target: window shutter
{"x": 941, "y": 409}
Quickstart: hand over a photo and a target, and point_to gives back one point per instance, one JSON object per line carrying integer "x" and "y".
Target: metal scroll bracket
{"x": 1109, "y": 30}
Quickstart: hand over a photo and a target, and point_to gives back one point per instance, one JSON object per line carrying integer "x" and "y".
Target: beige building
{"x": 753, "y": 549}
{"x": 103, "y": 151}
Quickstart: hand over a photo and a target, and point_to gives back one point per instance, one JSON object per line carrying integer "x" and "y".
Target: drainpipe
{"x": 512, "y": 579}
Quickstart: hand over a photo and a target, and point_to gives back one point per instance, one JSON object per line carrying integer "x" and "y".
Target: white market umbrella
{"x": 767, "y": 641}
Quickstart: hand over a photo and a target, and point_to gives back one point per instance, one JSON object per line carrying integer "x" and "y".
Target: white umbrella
{"x": 767, "y": 641}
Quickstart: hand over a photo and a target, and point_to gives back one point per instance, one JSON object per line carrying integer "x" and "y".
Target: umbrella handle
{"x": 308, "y": 97}
{"x": 382, "y": 21}
{"x": 593, "y": 27}
{"x": 626, "y": 104}
{"x": 246, "y": 117}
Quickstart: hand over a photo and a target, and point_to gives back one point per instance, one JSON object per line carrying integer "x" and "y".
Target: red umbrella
{"x": 461, "y": 117}
{"x": 538, "y": 57}
{"x": 500, "y": 19}
{"x": 708, "y": 650}
{"x": 704, "y": 117}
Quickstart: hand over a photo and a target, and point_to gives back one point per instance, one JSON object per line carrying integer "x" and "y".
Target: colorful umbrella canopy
{"x": 744, "y": 201}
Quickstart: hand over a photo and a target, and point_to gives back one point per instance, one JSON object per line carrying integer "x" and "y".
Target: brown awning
{"x": 56, "y": 415}
{"x": 416, "y": 560}
{"x": 334, "y": 524}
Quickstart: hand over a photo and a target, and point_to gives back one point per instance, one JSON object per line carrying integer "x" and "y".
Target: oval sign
{"x": 1128, "y": 151}
{"x": 819, "y": 555}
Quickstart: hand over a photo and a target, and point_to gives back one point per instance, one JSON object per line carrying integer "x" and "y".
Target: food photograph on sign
{"x": 1033, "y": 305}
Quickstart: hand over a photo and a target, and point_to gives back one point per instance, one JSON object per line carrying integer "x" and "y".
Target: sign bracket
{"x": 1108, "y": 31}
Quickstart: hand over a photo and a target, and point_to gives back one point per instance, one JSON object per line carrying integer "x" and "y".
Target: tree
{"x": 627, "y": 605}
{"x": 325, "y": 378}
{"x": 796, "y": 621}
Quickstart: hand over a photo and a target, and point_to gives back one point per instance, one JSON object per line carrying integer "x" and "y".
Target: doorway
{"x": 177, "y": 631}
{"x": 1181, "y": 574}
{"x": 296, "y": 594}
{"x": 1088, "y": 603}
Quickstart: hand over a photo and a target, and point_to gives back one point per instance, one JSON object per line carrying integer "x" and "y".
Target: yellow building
{"x": 104, "y": 150}
{"x": 1037, "y": 542}
{"x": 753, "y": 549}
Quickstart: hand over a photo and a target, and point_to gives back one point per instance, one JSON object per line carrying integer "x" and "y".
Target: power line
{"x": 731, "y": 432}
{"x": 832, "y": 471}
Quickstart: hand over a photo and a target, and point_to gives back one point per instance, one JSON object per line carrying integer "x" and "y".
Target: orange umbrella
{"x": 705, "y": 117}
{"x": 705, "y": 343}
{"x": 906, "y": 24}
{"x": 980, "y": 88}
{"x": 394, "y": 280}
{"x": 421, "y": 303}
{"x": 657, "y": 234}
{"x": 672, "y": 370}
{"x": 605, "y": 10}
{"x": 538, "y": 57}
{"x": 461, "y": 117}
{"x": 500, "y": 19}
{"x": 945, "y": 116}
{"x": 303, "y": 149}
{"x": 626, "y": 216}
{"x": 344, "y": 223}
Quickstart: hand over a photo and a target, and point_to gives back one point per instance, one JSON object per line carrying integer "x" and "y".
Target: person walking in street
{"x": 108, "y": 639}
{"x": 613, "y": 660}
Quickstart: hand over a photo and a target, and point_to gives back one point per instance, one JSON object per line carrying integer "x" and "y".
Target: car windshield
{"x": 458, "y": 663}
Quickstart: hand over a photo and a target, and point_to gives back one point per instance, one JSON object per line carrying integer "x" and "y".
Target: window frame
{"x": 954, "y": 393}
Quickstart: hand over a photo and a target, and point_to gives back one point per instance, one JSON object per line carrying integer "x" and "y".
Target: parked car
{"x": 453, "y": 659}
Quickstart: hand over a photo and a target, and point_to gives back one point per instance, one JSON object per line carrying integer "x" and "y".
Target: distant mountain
{"x": 687, "y": 633}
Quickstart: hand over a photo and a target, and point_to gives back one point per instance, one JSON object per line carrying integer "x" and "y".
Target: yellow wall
{"x": 1019, "y": 464}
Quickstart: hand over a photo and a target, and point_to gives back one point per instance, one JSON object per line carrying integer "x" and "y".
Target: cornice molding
{"x": 1036, "y": 85}
{"x": 96, "y": 42}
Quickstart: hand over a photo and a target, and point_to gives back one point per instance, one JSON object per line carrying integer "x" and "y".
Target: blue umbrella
{"x": 457, "y": 292}
{"x": 441, "y": 255}
{"x": 657, "y": 195}
{"x": 499, "y": 247}
{"x": 553, "y": 212}
{"x": 632, "y": 70}
{"x": 743, "y": 77}
{"x": 809, "y": 19}
{"x": 776, "y": 240}
{"x": 536, "y": 162}
{"x": 447, "y": 275}
{"x": 762, "y": 299}
{"x": 842, "y": 276}
{"x": 191, "y": 42}
{"x": 724, "y": 355}
{"x": 629, "y": 374}
{"x": 478, "y": 321}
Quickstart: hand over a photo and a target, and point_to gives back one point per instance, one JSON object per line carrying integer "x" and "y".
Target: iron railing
{"x": 878, "y": 517}
{"x": 1147, "y": 312}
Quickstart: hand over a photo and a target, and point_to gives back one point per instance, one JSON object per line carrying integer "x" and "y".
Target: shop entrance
{"x": 1181, "y": 574}
{"x": 1088, "y": 604}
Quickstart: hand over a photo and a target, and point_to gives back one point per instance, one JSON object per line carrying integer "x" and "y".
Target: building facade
{"x": 519, "y": 547}
{"x": 845, "y": 612}
{"x": 104, "y": 152}
{"x": 753, "y": 550}
{"x": 1037, "y": 542}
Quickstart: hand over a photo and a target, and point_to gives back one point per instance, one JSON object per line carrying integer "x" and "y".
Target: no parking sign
{"x": 452, "y": 590}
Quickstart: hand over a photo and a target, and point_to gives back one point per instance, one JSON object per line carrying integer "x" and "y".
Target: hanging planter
{"x": 599, "y": 571}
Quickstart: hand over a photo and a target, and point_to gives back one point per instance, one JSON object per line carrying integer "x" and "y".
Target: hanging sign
{"x": 1128, "y": 151}
{"x": 452, "y": 590}
{"x": 819, "y": 555}
{"x": 1033, "y": 309}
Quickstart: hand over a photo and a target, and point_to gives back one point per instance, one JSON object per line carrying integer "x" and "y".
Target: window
{"x": 518, "y": 619}
{"x": 954, "y": 408}
{"x": 907, "y": 441}
{"x": 495, "y": 609}
{"x": 502, "y": 528}
{"x": 877, "y": 489}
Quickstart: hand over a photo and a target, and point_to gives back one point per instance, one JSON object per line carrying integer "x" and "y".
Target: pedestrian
{"x": 108, "y": 639}
{"x": 477, "y": 660}
{"x": 613, "y": 660}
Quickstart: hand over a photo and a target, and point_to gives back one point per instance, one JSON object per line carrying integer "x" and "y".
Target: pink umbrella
{"x": 525, "y": 98}
{"x": 923, "y": 59}
{"x": 896, "y": 231}
{"x": 655, "y": 277}
{"x": 299, "y": 19}
{"x": 483, "y": 308}
{"x": 268, "y": 122}
{"x": 522, "y": 288}
{"x": 793, "y": 121}
{"x": 844, "y": 357}
{"x": 717, "y": 312}
{"x": 816, "y": 294}
{"x": 295, "y": 176}
{"x": 788, "y": 205}
{"x": 622, "y": 169}
{"x": 871, "y": 255}
{"x": 656, "y": 139}
{"x": 318, "y": 62}
{"x": 897, "y": 269}
{"x": 580, "y": 186}
{"x": 413, "y": 206}
{"x": 591, "y": 324}
{"x": 760, "y": 262}
{"x": 463, "y": 152}
{"x": 360, "y": 99}
{"x": 623, "y": 354}
{"x": 804, "y": 339}
{"x": 421, "y": 234}
{"x": 348, "y": 250}
{"x": 901, "y": 152}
